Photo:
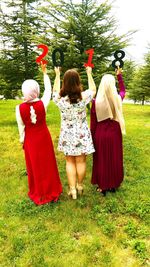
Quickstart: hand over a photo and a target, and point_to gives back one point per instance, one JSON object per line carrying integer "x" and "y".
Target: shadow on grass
{"x": 26, "y": 208}
{"x": 8, "y": 123}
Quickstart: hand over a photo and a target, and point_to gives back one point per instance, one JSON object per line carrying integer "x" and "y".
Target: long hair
{"x": 71, "y": 86}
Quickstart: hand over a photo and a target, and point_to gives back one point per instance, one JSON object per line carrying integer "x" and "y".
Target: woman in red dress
{"x": 107, "y": 126}
{"x": 43, "y": 177}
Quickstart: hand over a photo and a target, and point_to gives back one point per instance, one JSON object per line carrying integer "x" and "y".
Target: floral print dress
{"x": 75, "y": 137}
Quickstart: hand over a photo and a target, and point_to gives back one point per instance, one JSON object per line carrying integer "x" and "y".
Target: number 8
{"x": 118, "y": 59}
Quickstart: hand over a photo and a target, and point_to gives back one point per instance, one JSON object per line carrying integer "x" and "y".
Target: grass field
{"x": 94, "y": 231}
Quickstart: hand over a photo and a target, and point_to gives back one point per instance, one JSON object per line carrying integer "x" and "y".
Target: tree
{"x": 72, "y": 27}
{"x": 135, "y": 87}
{"x": 20, "y": 25}
{"x": 128, "y": 73}
{"x": 145, "y": 78}
{"x": 140, "y": 85}
{"x": 78, "y": 27}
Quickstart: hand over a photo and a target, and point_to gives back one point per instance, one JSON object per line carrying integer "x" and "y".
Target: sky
{"x": 134, "y": 15}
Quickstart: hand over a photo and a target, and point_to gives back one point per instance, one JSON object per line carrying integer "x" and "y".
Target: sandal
{"x": 113, "y": 190}
{"x": 101, "y": 191}
{"x": 80, "y": 189}
{"x": 73, "y": 192}
{"x": 98, "y": 189}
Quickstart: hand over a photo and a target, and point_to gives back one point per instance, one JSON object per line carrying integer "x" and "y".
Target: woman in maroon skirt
{"x": 43, "y": 177}
{"x": 107, "y": 126}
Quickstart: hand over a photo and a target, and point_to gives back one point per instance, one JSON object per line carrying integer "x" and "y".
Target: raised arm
{"x": 47, "y": 87}
{"x": 93, "y": 119}
{"x": 121, "y": 84}
{"x": 56, "y": 87}
{"x": 91, "y": 83}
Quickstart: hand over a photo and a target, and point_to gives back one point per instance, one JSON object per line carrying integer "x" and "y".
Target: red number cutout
{"x": 89, "y": 63}
{"x": 40, "y": 59}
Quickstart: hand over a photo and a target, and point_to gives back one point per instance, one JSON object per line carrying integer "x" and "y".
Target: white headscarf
{"x": 108, "y": 102}
{"x": 30, "y": 90}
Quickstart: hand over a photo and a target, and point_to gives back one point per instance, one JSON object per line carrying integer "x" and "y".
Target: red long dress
{"x": 107, "y": 169}
{"x": 43, "y": 177}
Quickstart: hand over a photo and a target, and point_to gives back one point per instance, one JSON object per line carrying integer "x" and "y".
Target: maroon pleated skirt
{"x": 107, "y": 170}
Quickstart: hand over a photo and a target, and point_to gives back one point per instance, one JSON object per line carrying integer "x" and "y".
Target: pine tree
{"x": 139, "y": 87}
{"x": 72, "y": 27}
{"x": 20, "y": 26}
{"x": 129, "y": 69}
{"x": 78, "y": 27}
{"x": 145, "y": 78}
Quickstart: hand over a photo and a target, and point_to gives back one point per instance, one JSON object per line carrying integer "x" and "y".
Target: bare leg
{"x": 71, "y": 170}
{"x": 81, "y": 169}
{"x": 71, "y": 174}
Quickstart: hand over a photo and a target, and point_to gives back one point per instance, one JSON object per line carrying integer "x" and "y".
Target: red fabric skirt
{"x": 107, "y": 170}
{"x": 43, "y": 177}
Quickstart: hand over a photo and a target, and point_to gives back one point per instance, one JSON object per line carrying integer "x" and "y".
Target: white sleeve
{"x": 47, "y": 92}
{"x": 21, "y": 125}
{"x": 87, "y": 95}
{"x": 56, "y": 97}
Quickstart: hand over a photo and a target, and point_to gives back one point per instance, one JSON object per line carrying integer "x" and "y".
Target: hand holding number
{"x": 88, "y": 70}
{"x": 118, "y": 71}
{"x": 57, "y": 70}
{"x": 43, "y": 67}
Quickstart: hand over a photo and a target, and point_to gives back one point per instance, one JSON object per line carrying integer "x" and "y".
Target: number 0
{"x": 61, "y": 61}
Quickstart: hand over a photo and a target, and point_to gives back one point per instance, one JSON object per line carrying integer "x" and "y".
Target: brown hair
{"x": 71, "y": 86}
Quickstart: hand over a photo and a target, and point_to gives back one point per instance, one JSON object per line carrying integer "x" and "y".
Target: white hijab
{"x": 108, "y": 102}
{"x": 30, "y": 90}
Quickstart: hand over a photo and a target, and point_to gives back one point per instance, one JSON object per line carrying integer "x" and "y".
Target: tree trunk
{"x": 143, "y": 99}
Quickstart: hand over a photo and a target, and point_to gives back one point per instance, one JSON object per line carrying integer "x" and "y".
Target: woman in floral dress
{"x": 75, "y": 139}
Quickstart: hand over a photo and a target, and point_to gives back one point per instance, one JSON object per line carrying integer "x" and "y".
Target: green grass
{"x": 94, "y": 231}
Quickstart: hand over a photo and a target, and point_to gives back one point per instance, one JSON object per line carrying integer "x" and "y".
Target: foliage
{"x": 72, "y": 27}
{"x": 19, "y": 30}
{"x": 140, "y": 84}
{"x": 79, "y": 27}
{"x": 128, "y": 73}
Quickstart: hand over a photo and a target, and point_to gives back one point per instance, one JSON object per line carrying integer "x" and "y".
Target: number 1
{"x": 89, "y": 63}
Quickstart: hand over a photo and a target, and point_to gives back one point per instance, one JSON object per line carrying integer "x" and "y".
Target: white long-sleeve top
{"x": 45, "y": 99}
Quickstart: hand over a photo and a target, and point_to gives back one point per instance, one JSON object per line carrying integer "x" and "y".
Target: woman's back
{"x": 33, "y": 114}
{"x": 75, "y": 136}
